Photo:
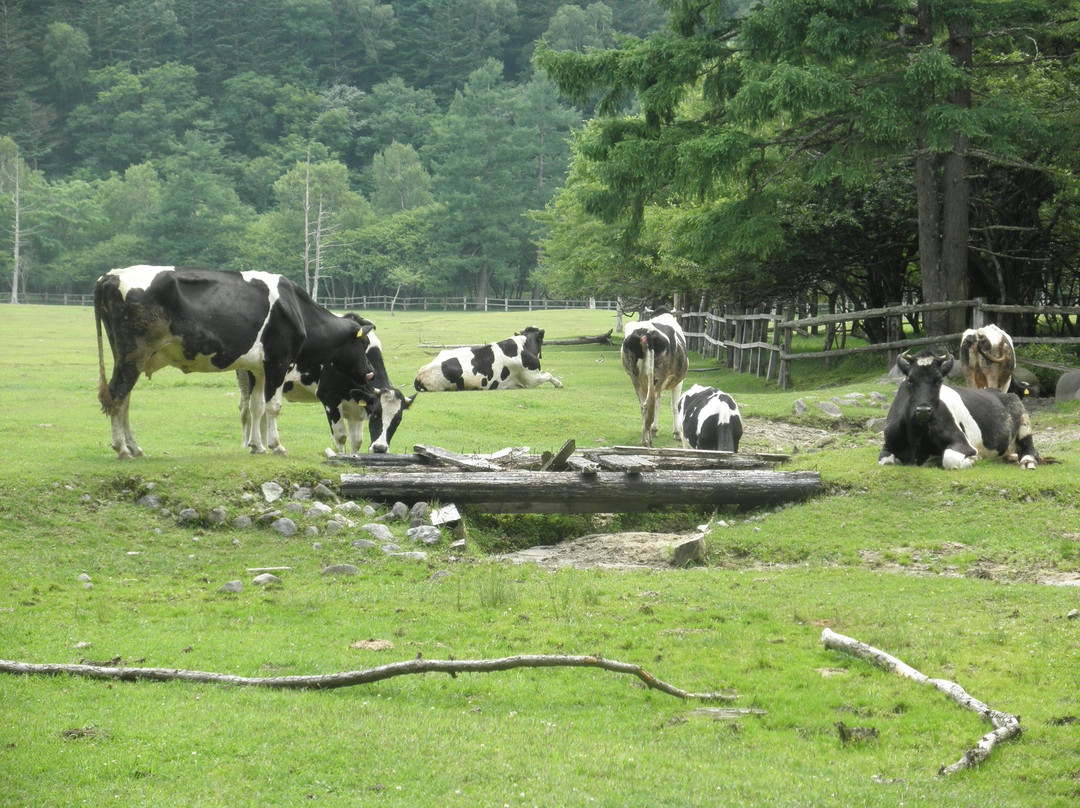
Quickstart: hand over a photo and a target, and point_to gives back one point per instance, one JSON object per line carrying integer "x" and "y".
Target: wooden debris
{"x": 454, "y": 459}
{"x": 582, "y": 464}
{"x": 630, "y": 464}
{"x": 1005, "y": 725}
{"x": 572, "y": 492}
{"x": 557, "y": 462}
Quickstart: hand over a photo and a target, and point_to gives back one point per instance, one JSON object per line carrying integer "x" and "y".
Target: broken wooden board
{"x": 454, "y": 459}
{"x": 572, "y": 492}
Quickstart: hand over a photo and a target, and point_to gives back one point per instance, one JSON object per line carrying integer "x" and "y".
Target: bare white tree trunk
{"x": 307, "y": 225}
{"x": 317, "y": 275}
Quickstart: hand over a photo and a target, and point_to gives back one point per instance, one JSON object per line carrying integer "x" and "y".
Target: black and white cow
{"x": 509, "y": 364}
{"x": 347, "y": 407}
{"x": 709, "y": 419}
{"x": 958, "y": 424}
{"x": 205, "y": 321}
{"x": 654, "y": 355}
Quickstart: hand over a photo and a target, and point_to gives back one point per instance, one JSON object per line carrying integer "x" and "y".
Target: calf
{"x": 930, "y": 419}
{"x": 988, "y": 359}
{"x": 709, "y": 419}
{"x": 347, "y": 406}
{"x": 654, "y": 355}
{"x": 204, "y": 320}
{"x": 506, "y": 365}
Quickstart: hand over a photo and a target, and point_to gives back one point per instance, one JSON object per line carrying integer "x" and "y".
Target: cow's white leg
{"x": 676, "y": 395}
{"x": 547, "y": 377}
{"x": 952, "y": 459}
{"x": 1028, "y": 462}
{"x": 123, "y": 439}
{"x": 257, "y": 414}
{"x": 270, "y": 436}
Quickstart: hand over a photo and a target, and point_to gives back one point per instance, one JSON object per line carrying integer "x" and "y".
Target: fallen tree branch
{"x": 361, "y": 677}
{"x": 1005, "y": 725}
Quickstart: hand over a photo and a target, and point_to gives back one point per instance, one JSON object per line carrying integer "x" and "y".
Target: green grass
{"x": 898, "y": 558}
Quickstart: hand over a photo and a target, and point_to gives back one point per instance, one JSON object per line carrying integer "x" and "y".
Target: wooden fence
{"x": 388, "y": 303}
{"x": 761, "y": 342}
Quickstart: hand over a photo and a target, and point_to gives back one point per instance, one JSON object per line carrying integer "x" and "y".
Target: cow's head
{"x": 924, "y": 374}
{"x": 534, "y": 339}
{"x": 384, "y": 408}
{"x": 351, "y": 357}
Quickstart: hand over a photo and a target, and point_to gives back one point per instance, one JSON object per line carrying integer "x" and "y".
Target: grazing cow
{"x": 929, "y": 419}
{"x": 988, "y": 359}
{"x": 709, "y": 419}
{"x": 347, "y": 407}
{"x": 205, "y": 321}
{"x": 654, "y": 355}
{"x": 505, "y": 365}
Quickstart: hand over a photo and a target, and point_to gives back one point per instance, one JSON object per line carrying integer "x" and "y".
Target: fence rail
{"x": 386, "y": 303}
{"x": 761, "y": 342}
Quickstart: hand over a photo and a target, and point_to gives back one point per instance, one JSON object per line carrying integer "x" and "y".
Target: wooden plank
{"x": 571, "y": 492}
{"x": 382, "y": 460}
{"x": 582, "y": 464}
{"x": 557, "y": 462}
{"x": 454, "y": 459}
{"x": 675, "y": 451}
{"x": 628, "y": 464}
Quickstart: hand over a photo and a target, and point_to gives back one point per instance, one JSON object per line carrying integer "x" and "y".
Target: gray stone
{"x": 879, "y": 398}
{"x": 187, "y": 516}
{"x": 689, "y": 551}
{"x": 411, "y": 555}
{"x": 322, "y": 491}
{"x": 425, "y": 534}
{"x": 303, "y": 493}
{"x": 232, "y": 586}
{"x": 418, "y": 514}
{"x": 319, "y": 510}
{"x": 349, "y": 507}
{"x": 271, "y": 491}
{"x": 364, "y": 544}
{"x": 369, "y": 510}
{"x": 390, "y": 548}
{"x": 83, "y": 577}
{"x": 341, "y": 569}
{"x": 218, "y": 516}
{"x": 876, "y": 424}
{"x": 294, "y": 507}
{"x": 266, "y": 579}
{"x": 378, "y": 532}
{"x": 1073, "y": 614}
{"x": 285, "y": 526}
{"x": 242, "y": 522}
{"x": 1068, "y": 386}
{"x": 829, "y": 409}
{"x": 266, "y": 517}
{"x": 799, "y": 406}
{"x": 310, "y": 532}
{"x": 149, "y": 501}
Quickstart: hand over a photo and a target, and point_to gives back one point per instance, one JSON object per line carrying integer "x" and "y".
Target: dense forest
{"x": 352, "y": 145}
{"x": 839, "y": 151}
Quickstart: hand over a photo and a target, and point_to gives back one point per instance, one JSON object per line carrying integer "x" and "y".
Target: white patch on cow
{"x": 137, "y": 277}
{"x": 952, "y": 459}
{"x": 888, "y": 460}
{"x": 925, "y": 361}
{"x": 962, "y": 417}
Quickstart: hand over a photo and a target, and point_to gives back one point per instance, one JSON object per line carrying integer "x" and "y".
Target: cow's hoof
{"x": 556, "y": 383}
{"x": 280, "y": 450}
{"x": 888, "y": 460}
{"x": 258, "y": 450}
{"x": 1028, "y": 463}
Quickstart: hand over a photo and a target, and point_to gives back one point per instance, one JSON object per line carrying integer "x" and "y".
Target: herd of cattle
{"x": 284, "y": 346}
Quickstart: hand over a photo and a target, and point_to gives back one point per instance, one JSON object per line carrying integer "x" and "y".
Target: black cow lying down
{"x": 930, "y": 419}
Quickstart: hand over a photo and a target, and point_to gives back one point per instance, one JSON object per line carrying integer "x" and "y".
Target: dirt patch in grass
{"x": 637, "y": 550}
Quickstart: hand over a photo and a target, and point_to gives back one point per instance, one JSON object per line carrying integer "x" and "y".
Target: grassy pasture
{"x": 940, "y": 569}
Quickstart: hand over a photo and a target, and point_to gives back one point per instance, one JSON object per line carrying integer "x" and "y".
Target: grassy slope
{"x": 749, "y": 623}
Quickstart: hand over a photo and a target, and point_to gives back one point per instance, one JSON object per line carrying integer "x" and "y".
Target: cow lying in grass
{"x": 509, "y": 364}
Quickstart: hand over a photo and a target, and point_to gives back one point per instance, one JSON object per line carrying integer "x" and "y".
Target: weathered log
{"x": 361, "y": 677}
{"x": 1005, "y": 725}
{"x": 571, "y": 492}
{"x": 602, "y": 339}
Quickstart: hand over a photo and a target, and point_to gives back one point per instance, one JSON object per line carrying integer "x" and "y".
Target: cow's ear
{"x": 364, "y": 331}
{"x": 903, "y": 361}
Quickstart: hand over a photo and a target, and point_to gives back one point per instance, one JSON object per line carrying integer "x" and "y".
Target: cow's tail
{"x": 104, "y": 396}
{"x": 648, "y": 369}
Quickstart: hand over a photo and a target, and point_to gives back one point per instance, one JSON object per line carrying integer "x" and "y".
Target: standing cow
{"x": 653, "y": 353}
{"x": 987, "y": 357}
{"x": 347, "y": 407}
{"x": 205, "y": 321}
{"x": 709, "y": 419}
{"x": 505, "y": 365}
{"x": 930, "y": 419}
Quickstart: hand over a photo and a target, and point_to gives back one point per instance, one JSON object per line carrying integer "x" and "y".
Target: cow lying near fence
{"x": 654, "y": 356}
{"x": 930, "y": 419}
{"x": 709, "y": 419}
{"x": 505, "y": 365}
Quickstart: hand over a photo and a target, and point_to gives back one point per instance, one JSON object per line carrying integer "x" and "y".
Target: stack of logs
{"x": 610, "y": 480}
